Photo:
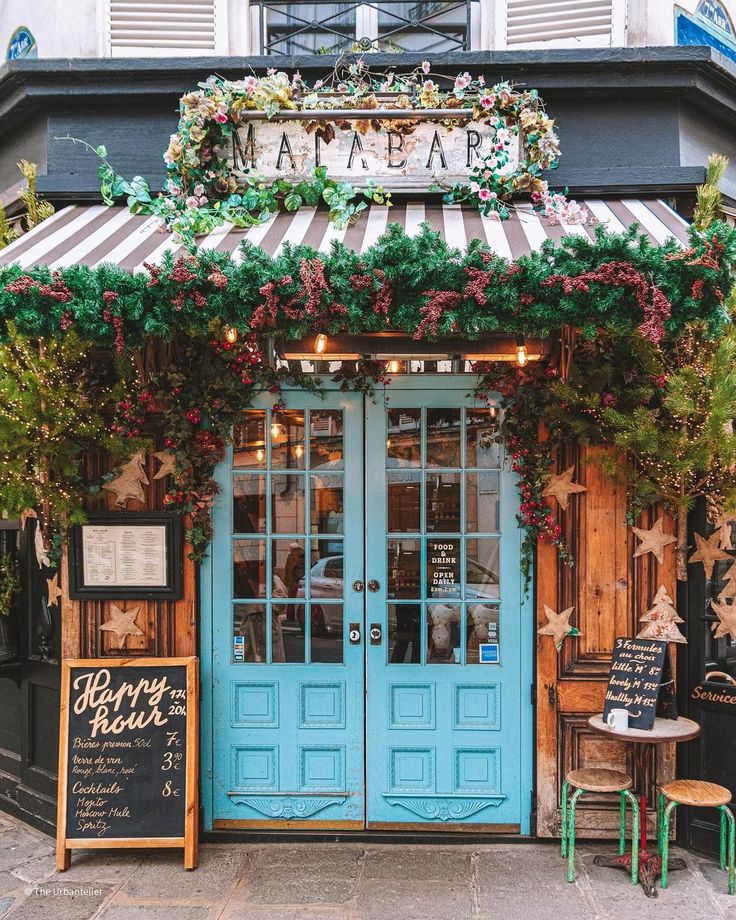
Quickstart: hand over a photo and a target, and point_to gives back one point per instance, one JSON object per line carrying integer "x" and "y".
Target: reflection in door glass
{"x": 326, "y": 641}
{"x": 403, "y": 443}
{"x": 443, "y": 634}
{"x": 249, "y": 503}
{"x": 443, "y": 437}
{"x": 287, "y": 642}
{"x": 404, "y": 490}
{"x": 325, "y": 439}
{"x": 249, "y": 439}
{"x": 326, "y": 503}
{"x": 404, "y": 633}
{"x": 482, "y": 627}
{"x": 249, "y": 568}
{"x": 287, "y": 568}
{"x": 482, "y": 578}
{"x": 287, "y": 439}
{"x": 287, "y": 503}
{"x": 249, "y": 621}
{"x": 443, "y": 502}
{"x": 325, "y": 577}
{"x": 481, "y": 447}
{"x": 404, "y": 569}
{"x": 482, "y": 502}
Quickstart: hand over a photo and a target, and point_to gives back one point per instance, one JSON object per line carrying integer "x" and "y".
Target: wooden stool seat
{"x": 696, "y": 792}
{"x": 599, "y": 780}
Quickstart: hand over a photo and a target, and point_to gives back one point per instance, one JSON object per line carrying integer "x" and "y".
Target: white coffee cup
{"x": 618, "y": 720}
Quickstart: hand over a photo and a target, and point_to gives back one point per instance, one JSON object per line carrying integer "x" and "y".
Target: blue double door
{"x": 364, "y": 610}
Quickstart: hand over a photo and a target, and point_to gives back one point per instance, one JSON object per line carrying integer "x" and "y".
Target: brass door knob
{"x": 373, "y": 585}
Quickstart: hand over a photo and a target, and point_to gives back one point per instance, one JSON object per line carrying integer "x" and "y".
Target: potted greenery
{"x": 9, "y": 585}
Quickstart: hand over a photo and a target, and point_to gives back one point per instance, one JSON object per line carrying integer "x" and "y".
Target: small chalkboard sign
{"x": 128, "y": 755}
{"x": 633, "y": 683}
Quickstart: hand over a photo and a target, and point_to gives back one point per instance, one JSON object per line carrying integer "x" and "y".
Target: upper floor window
{"x": 560, "y": 23}
{"x": 424, "y": 26}
{"x": 157, "y": 28}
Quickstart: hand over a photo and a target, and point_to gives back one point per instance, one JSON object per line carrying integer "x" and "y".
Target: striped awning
{"x": 90, "y": 235}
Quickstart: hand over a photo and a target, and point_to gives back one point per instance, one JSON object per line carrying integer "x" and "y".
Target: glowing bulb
{"x": 298, "y": 451}
{"x": 320, "y": 344}
{"x": 388, "y": 443}
{"x": 493, "y": 411}
{"x": 231, "y": 335}
{"x": 393, "y": 366}
{"x": 260, "y": 455}
{"x": 275, "y": 430}
{"x": 522, "y": 355}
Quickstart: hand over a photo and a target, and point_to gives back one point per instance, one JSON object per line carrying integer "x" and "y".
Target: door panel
{"x": 445, "y": 731}
{"x": 287, "y": 679}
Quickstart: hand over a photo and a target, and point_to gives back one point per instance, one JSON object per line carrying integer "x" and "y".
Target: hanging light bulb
{"x": 320, "y": 344}
{"x": 231, "y": 334}
{"x": 276, "y": 429}
{"x": 260, "y": 455}
{"x": 493, "y": 411}
{"x": 393, "y": 366}
{"x": 299, "y": 451}
{"x": 522, "y": 355}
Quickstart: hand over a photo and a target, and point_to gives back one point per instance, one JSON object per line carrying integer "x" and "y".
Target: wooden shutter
{"x": 609, "y": 590}
{"x": 564, "y": 23}
{"x": 166, "y": 27}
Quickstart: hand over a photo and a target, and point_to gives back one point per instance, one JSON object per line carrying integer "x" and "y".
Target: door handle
{"x": 375, "y": 633}
{"x": 373, "y": 585}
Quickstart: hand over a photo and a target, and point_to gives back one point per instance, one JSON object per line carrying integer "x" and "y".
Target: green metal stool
{"x": 599, "y": 780}
{"x": 699, "y": 794}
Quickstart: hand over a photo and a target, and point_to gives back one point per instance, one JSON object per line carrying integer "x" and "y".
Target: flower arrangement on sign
{"x": 215, "y": 160}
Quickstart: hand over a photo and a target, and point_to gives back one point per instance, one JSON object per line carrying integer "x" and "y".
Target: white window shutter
{"x": 564, "y": 23}
{"x": 167, "y": 28}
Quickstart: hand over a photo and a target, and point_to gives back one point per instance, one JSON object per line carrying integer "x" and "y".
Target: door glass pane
{"x": 482, "y": 502}
{"x": 443, "y": 568}
{"x": 403, "y": 444}
{"x": 443, "y": 437}
{"x": 287, "y": 641}
{"x": 482, "y": 571}
{"x": 482, "y": 450}
{"x": 404, "y": 569}
{"x": 404, "y": 632}
{"x": 327, "y": 629}
{"x": 287, "y": 568}
{"x": 249, "y": 439}
{"x": 326, "y": 503}
{"x": 325, "y": 577}
{"x": 287, "y": 439}
{"x": 249, "y": 503}
{"x": 249, "y": 568}
{"x": 443, "y": 634}
{"x": 482, "y": 625}
{"x": 404, "y": 490}
{"x": 249, "y": 622}
{"x": 443, "y": 502}
{"x": 287, "y": 503}
{"x": 326, "y": 439}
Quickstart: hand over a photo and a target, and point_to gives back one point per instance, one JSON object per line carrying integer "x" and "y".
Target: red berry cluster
{"x": 130, "y": 414}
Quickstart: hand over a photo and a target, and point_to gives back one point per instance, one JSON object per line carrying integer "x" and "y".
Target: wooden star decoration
{"x": 558, "y": 625}
{"x": 729, "y": 584}
{"x": 167, "y": 461}
{"x": 561, "y": 487}
{"x": 653, "y": 540}
{"x": 130, "y": 481}
{"x": 723, "y": 523}
{"x": 708, "y": 552}
{"x": 53, "y": 590}
{"x": 122, "y": 623}
{"x": 42, "y": 557}
{"x": 726, "y": 625}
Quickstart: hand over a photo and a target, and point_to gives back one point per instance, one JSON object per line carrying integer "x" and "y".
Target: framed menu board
{"x": 135, "y": 555}
{"x": 128, "y": 755}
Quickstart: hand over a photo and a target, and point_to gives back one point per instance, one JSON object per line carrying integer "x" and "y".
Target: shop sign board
{"x": 443, "y": 568}
{"x": 396, "y": 160}
{"x": 128, "y": 755}
{"x": 126, "y": 555}
{"x": 22, "y": 44}
{"x": 715, "y": 695}
{"x": 634, "y": 680}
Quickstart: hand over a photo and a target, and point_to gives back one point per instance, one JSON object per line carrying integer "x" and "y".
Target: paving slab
{"x": 415, "y": 863}
{"x": 529, "y": 881}
{"x": 36, "y": 870}
{"x": 149, "y": 912}
{"x": 263, "y": 912}
{"x": 21, "y": 845}
{"x": 306, "y": 874}
{"x": 71, "y": 902}
{"x": 161, "y": 876}
{"x": 112, "y": 867}
{"x": 401, "y": 899}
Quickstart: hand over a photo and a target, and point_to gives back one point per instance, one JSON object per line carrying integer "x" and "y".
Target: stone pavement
{"x": 341, "y": 882}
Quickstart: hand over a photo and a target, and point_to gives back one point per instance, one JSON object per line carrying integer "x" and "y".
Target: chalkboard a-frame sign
{"x": 634, "y": 679}
{"x": 128, "y": 755}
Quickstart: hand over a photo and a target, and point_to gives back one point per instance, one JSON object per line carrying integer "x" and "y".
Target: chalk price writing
{"x": 169, "y": 790}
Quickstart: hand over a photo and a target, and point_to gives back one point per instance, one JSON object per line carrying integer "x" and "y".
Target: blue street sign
{"x": 22, "y": 44}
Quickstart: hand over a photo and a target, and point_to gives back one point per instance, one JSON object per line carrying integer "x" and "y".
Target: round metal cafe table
{"x": 643, "y": 743}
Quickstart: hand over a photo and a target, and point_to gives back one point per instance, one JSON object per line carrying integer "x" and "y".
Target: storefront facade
{"x": 362, "y": 540}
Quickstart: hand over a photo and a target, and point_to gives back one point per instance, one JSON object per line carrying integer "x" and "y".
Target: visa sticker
{"x": 239, "y": 648}
{"x": 488, "y": 653}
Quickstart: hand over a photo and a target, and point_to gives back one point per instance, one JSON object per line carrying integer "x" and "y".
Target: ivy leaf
{"x": 293, "y": 202}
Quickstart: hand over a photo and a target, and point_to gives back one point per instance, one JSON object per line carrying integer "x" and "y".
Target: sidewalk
{"x": 341, "y": 882}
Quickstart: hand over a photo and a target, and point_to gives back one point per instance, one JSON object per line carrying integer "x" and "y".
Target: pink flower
{"x": 319, "y": 84}
{"x": 251, "y": 84}
{"x": 485, "y": 194}
{"x": 462, "y": 80}
{"x": 487, "y": 102}
{"x": 221, "y": 118}
{"x": 425, "y": 66}
{"x": 192, "y": 202}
